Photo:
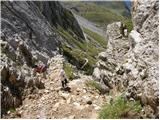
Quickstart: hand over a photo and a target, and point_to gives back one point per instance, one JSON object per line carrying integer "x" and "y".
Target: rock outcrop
{"x": 143, "y": 55}
{"x": 107, "y": 68}
{"x": 28, "y": 36}
{"x": 131, "y": 65}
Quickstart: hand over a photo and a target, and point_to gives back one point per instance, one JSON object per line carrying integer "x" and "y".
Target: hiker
{"x": 63, "y": 78}
{"x": 122, "y": 29}
{"x": 40, "y": 69}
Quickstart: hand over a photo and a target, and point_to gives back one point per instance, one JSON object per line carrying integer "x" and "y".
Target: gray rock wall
{"x": 136, "y": 60}
{"x": 144, "y": 56}
{"x": 57, "y": 14}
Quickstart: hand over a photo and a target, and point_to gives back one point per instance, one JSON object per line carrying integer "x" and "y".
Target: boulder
{"x": 97, "y": 73}
{"x": 102, "y": 56}
{"x": 134, "y": 38}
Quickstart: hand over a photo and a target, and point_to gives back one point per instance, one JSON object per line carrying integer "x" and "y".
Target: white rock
{"x": 46, "y": 91}
{"x": 42, "y": 98}
{"x": 102, "y": 56}
{"x": 96, "y": 107}
{"x": 134, "y": 38}
{"x": 65, "y": 95}
{"x": 69, "y": 100}
{"x": 76, "y": 104}
{"x": 86, "y": 105}
{"x": 119, "y": 24}
{"x": 125, "y": 32}
{"x": 9, "y": 112}
{"x": 97, "y": 73}
{"x": 56, "y": 105}
{"x": 26, "y": 105}
{"x": 135, "y": 72}
{"x": 96, "y": 97}
{"x": 71, "y": 117}
{"x": 84, "y": 91}
{"x": 86, "y": 98}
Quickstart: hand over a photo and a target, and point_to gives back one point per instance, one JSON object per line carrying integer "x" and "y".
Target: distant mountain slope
{"x": 89, "y": 25}
{"x": 101, "y": 12}
{"x": 115, "y": 6}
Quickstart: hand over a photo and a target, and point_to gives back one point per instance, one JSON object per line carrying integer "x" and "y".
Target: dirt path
{"x": 52, "y": 102}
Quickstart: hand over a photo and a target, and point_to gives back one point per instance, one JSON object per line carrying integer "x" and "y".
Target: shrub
{"x": 129, "y": 24}
{"x": 120, "y": 109}
{"x": 69, "y": 71}
{"x": 93, "y": 84}
{"x": 77, "y": 58}
{"x": 12, "y": 109}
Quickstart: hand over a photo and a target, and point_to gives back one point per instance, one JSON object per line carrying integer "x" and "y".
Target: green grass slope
{"x": 97, "y": 12}
{"x": 120, "y": 108}
{"x": 77, "y": 50}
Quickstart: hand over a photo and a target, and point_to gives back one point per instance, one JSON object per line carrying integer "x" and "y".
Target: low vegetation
{"x": 129, "y": 24}
{"x": 101, "y": 13}
{"x": 77, "y": 57}
{"x": 102, "y": 18}
{"x": 69, "y": 71}
{"x": 93, "y": 84}
{"x": 120, "y": 109}
{"x": 12, "y": 109}
{"x": 78, "y": 50}
{"x": 99, "y": 39}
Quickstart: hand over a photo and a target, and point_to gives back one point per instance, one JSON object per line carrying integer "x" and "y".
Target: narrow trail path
{"x": 52, "y": 102}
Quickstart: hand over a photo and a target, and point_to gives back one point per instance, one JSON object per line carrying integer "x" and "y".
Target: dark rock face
{"x": 33, "y": 23}
{"x": 57, "y": 14}
{"x": 26, "y": 20}
{"x": 28, "y": 34}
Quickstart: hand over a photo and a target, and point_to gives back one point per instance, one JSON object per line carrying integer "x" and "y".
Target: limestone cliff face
{"x": 28, "y": 35}
{"x": 133, "y": 69}
{"x": 143, "y": 55}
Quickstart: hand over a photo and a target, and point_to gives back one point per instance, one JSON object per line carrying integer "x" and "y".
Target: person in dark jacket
{"x": 63, "y": 78}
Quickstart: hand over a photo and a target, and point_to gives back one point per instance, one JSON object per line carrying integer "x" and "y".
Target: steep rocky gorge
{"x": 37, "y": 32}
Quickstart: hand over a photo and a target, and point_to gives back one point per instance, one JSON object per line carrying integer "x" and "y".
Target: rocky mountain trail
{"x": 52, "y": 102}
{"x": 119, "y": 66}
